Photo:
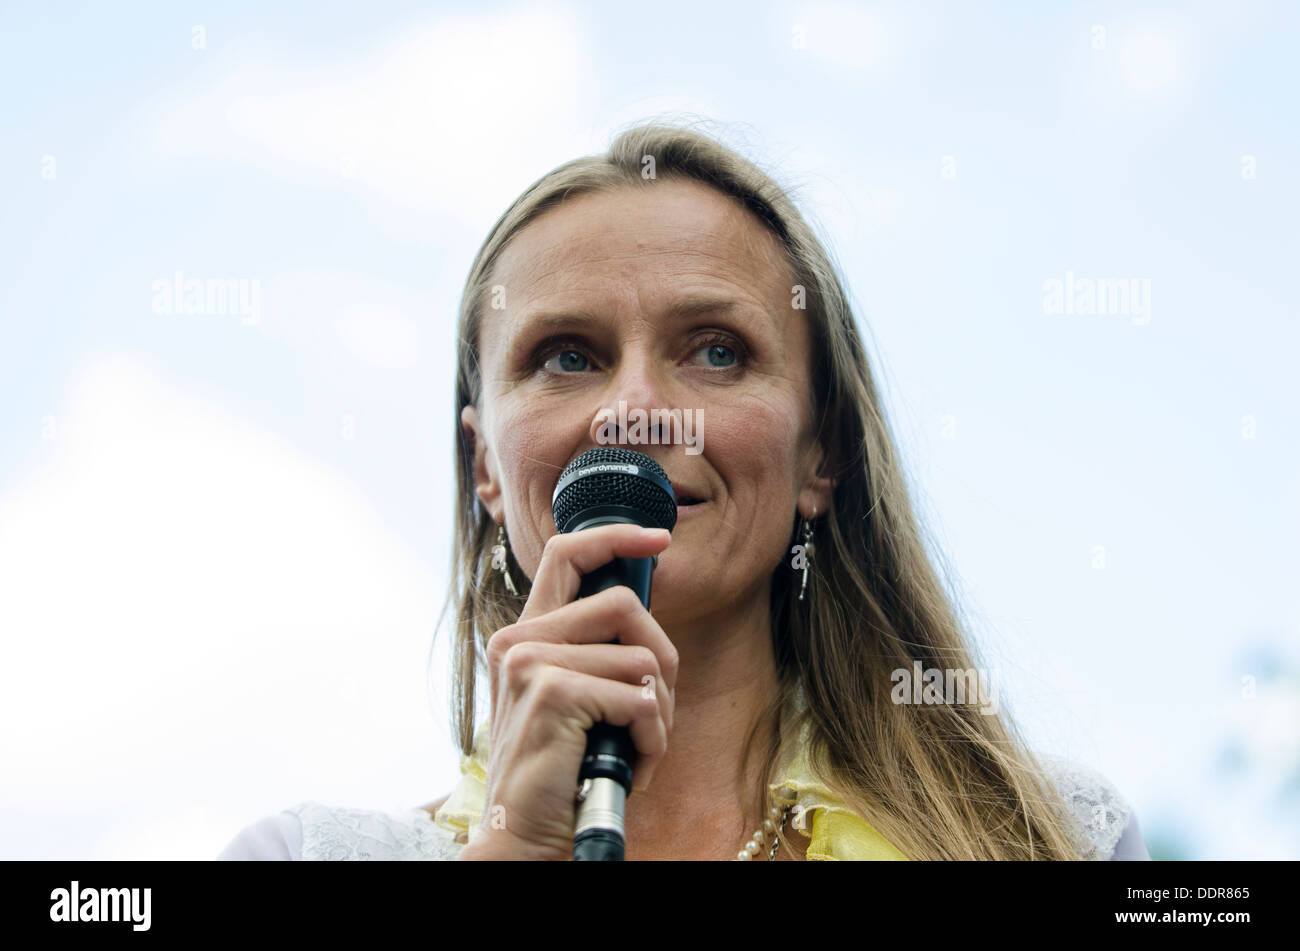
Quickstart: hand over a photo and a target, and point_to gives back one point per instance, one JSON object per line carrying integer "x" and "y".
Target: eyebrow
{"x": 679, "y": 310}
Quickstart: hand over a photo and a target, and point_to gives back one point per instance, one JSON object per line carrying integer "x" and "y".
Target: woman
{"x": 794, "y": 594}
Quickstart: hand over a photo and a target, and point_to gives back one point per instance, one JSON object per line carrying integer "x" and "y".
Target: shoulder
{"x": 274, "y": 838}
{"x": 1105, "y": 824}
{"x": 432, "y": 807}
{"x": 345, "y": 834}
{"x": 312, "y": 831}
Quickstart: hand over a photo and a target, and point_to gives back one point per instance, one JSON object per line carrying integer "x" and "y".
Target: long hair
{"x": 938, "y": 780}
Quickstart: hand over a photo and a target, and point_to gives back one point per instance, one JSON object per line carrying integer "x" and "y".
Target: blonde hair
{"x": 939, "y": 781}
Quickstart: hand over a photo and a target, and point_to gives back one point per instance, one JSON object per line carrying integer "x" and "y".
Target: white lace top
{"x": 1106, "y": 827}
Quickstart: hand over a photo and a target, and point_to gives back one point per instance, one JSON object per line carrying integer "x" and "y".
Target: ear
{"x": 815, "y": 495}
{"x": 487, "y": 483}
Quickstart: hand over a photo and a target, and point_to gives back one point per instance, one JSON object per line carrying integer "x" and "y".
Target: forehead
{"x": 642, "y": 243}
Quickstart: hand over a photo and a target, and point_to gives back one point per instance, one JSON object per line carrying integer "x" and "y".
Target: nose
{"x": 633, "y": 407}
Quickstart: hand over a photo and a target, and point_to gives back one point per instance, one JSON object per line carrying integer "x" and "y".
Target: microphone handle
{"x": 605, "y": 778}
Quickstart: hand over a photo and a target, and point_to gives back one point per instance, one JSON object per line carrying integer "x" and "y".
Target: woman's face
{"x": 593, "y": 310}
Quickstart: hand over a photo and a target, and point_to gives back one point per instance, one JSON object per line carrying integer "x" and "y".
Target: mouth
{"x": 687, "y": 498}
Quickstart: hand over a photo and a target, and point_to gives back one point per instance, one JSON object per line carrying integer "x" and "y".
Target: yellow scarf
{"x": 836, "y": 835}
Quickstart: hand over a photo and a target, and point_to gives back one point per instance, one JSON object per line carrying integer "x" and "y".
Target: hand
{"x": 553, "y": 675}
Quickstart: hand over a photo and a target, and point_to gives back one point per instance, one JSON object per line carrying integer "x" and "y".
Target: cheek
{"x": 753, "y": 443}
{"x": 532, "y": 449}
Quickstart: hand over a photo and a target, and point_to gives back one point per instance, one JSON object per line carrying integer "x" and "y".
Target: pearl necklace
{"x": 769, "y": 827}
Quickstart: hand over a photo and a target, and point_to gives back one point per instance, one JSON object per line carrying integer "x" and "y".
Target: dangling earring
{"x": 499, "y": 560}
{"x": 807, "y": 552}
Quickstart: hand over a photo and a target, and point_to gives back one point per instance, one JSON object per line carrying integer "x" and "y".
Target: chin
{"x": 677, "y": 589}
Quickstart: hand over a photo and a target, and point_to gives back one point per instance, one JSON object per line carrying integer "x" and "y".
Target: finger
{"x": 569, "y": 556}
{"x": 630, "y": 664}
{"x": 608, "y": 701}
{"x": 613, "y": 613}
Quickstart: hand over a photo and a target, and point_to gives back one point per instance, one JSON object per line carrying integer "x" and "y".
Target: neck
{"x": 698, "y": 803}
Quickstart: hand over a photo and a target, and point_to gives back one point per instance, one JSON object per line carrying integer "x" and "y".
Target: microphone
{"x": 605, "y": 487}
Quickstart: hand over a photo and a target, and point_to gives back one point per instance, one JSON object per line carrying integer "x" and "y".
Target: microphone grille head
{"x": 614, "y": 482}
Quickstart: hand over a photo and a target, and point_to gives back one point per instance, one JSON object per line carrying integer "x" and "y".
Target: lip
{"x": 686, "y": 492}
{"x": 685, "y": 511}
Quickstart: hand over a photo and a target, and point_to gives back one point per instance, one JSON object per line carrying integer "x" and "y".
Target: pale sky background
{"x": 223, "y": 540}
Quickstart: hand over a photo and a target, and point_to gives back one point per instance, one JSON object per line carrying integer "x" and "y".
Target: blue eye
{"x": 719, "y": 352}
{"x": 722, "y": 353}
{"x": 569, "y": 360}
